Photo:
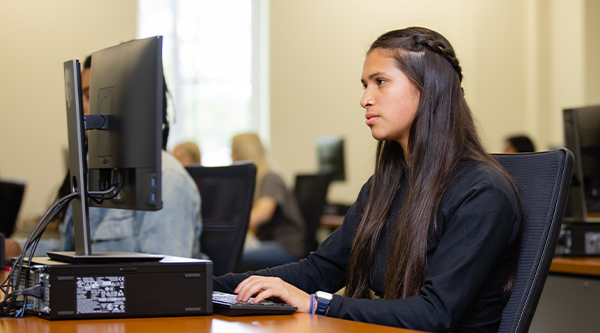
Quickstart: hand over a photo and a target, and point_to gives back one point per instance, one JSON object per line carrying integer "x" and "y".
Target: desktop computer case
{"x": 120, "y": 290}
{"x": 579, "y": 239}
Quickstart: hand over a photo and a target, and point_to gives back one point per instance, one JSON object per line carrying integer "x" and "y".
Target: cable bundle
{"x": 14, "y": 286}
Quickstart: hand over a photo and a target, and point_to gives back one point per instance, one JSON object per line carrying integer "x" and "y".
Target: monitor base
{"x": 103, "y": 257}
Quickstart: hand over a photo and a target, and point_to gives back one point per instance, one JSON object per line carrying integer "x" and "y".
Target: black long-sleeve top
{"x": 468, "y": 260}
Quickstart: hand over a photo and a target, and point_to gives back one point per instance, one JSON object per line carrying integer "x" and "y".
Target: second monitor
{"x": 582, "y": 137}
{"x": 330, "y": 150}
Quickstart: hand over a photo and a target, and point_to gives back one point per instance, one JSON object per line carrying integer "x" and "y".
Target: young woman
{"x": 275, "y": 218}
{"x": 434, "y": 233}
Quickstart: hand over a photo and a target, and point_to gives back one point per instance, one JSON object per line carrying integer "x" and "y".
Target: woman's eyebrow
{"x": 375, "y": 74}
{"x": 372, "y": 76}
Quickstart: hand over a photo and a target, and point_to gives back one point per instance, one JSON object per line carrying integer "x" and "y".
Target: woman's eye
{"x": 380, "y": 81}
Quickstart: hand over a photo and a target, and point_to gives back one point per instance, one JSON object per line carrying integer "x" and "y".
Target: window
{"x": 213, "y": 56}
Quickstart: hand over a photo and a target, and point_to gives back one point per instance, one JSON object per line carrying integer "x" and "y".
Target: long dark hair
{"x": 442, "y": 135}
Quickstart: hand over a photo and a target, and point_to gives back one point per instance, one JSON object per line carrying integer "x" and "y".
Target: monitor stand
{"x": 79, "y": 174}
{"x": 103, "y": 257}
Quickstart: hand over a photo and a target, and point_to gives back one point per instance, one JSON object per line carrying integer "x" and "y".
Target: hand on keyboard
{"x": 266, "y": 287}
{"x": 225, "y": 303}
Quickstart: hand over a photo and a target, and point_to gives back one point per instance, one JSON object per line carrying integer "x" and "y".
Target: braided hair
{"x": 441, "y": 136}
{"x": 425, "y": 40}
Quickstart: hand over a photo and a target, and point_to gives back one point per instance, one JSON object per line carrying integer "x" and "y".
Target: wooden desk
{"x": 298, "y": 322}
{"x": 331, "y": 221}
{"x": 584, "y": 266}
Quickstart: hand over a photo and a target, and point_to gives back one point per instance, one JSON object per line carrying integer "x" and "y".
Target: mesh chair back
{"x": 311, "y": 193}
{"x": 226, "y": 194}
{"x": 542, "y": 180}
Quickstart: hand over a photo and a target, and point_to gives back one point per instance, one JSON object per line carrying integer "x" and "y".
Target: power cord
{"x": 9, "y": 305}
{"x": 35, "y": 291}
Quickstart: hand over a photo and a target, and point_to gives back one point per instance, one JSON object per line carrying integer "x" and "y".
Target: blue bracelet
{"x": 312, "y": 301}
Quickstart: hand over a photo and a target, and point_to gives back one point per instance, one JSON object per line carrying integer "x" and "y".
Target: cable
{"x": 38, "y": 237}
{"x": 100, "y": 194}
{"x": 98, "y": 198}
{"x": 20, "y": 312}
{"x": 13, "y": 281}
{"x": 35, "y": 291}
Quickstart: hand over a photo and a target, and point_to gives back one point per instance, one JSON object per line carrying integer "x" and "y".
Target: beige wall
{"x": 523, "y": 61}
{"x": 37, "y": 37}
{"x": 592, "y": 51}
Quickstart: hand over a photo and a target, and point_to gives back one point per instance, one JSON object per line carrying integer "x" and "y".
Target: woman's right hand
{"x": 263, "y": 287}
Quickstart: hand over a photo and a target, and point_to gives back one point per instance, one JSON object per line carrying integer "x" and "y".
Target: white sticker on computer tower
{"x": 101, "y": 294}
{"x": 592, "y": 243}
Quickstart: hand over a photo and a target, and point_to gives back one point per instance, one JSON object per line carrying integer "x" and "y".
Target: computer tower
{"x": 579, "y": 239}
{"x": 172, "y": 287}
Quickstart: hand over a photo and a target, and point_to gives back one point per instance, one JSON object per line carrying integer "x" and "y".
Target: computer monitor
{"x": 126, "y": 89}
{"x": 124, "y": 139}
{"x": 582, "y": 137}
{"x": 330, "y": 150}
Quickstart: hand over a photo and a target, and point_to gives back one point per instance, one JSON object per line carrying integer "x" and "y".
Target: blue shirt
{"x": 173, "y": 230}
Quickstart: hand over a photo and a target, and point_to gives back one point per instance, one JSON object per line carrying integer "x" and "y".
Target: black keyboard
{"x": 225, "y": 304}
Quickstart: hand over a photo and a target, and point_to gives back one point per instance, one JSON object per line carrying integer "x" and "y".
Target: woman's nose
{"x": 366, "y": 100}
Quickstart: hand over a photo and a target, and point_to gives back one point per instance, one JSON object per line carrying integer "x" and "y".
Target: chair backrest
{"x": 311, "y": 193}
{"x": 542, "y": 180}
{"x": 11, "y": 196}
{"x": 226, "y": 194}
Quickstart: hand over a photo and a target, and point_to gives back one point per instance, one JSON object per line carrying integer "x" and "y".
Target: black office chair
{"x": 227, "y": 194}
{"x": 542, "y": 180}
{"x": 11, "y": 196}
{"x": 311, "y": 193}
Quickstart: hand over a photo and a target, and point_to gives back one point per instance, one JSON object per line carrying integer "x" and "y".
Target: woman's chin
{"x": 379, "y": 136}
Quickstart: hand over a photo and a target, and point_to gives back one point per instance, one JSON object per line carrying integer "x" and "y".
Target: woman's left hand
{"x": 264, "y": 287}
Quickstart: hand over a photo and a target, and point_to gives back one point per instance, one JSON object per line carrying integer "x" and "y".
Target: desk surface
{"x": 585, "y": 266}
{"x": 299, "y": 322}
{"x": 332, "y": 221}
